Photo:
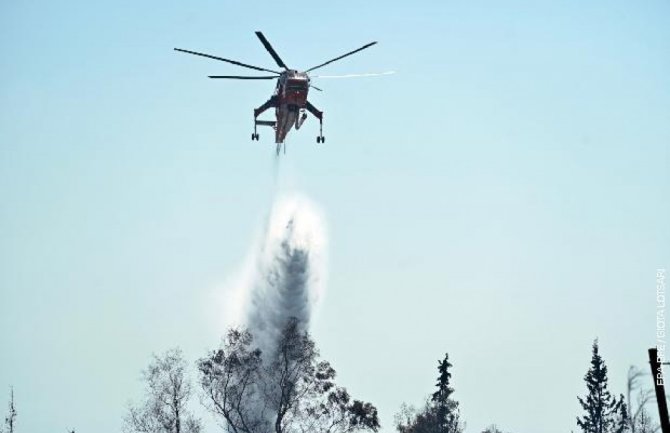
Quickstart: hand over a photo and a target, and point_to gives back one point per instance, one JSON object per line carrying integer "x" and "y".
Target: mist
{"x": 285, "y": 274}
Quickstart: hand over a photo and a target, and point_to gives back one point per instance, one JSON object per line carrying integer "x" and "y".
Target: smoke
{"x": 286, "y": 272}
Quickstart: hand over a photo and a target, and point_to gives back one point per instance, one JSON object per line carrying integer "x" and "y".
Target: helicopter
{"x": 290, "y": 95}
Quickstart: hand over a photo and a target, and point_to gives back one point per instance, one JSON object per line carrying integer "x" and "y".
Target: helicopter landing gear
{"x": 272, "y": 102}
{"x": 319, "y": 115}
{"x": 320, "y": 138}
{"x": 254, "y": 135}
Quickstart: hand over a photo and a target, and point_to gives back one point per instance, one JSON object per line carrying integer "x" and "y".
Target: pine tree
{"x": 446, "y": 409}
{"x": 440, "y": 414}
{"x": 604, "y": 412}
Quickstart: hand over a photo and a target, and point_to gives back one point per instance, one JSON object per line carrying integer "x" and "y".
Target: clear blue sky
{"x": 503, "y": 197}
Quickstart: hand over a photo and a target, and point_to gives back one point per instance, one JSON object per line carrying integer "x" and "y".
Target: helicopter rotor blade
{"x": 271, "y": 50}
{"x": 234, "y": 62}
{"x": 316, "y": 88}
{"x": 375, "y": 74}
{"x": 245, "y": 77}
{"x": 342, "y": 56}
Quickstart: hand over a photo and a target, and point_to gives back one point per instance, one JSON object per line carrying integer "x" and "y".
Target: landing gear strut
{"x": 320, "y": 138}
{"x": 254, "y": 135}
{"x": 272, "y": 102}
{"x": 319, "y": 115}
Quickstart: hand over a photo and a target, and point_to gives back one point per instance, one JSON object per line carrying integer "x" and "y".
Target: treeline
{"x": 290, "y": 389}
{"x": 602, "y": 411}
{"x": 293, "y": 391}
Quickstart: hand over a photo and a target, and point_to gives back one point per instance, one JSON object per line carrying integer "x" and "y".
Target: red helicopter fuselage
{"x": 290, "y": 96}
{"x": 291, "y": 100}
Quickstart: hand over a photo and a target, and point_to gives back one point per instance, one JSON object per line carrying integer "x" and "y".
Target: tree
{"x": 639, "y": 420}
{"x": 604, "y": 412}
{"x": 492, "y": 429}
{"x": 643, "y": 423}
{"x": 446, "y": 408}
{"x": 412, "y": 420}
{"x": 168, "y": 391}
{"x": 10, "y": 419}
{"x": 440, "y": 413}
{"x": 289, "y": 390}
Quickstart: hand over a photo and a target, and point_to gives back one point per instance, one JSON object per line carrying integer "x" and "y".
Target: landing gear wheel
{"x": 318, "y": 139}
{"x": 323, "y": 139}
{"x": 253, "y": 136}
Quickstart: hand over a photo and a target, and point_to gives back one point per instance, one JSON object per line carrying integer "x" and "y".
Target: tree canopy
{"x": 440, "y": 413}
{"x": 289, "y": 390}
{"x": 603, "y": 413}
{"x": 165, "y": 407}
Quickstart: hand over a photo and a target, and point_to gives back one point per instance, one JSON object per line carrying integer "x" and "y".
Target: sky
{"x": 503, "y": 197}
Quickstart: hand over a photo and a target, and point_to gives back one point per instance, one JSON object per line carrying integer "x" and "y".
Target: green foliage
{"x": 604, "y": 413}
{"x": 446, "y": 409}
{"x": 440, "y": 413}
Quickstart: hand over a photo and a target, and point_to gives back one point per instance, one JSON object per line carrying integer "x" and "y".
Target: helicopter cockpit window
{"x": 297, "y": 85}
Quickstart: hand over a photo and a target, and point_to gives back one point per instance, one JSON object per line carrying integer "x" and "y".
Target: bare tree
{"x": 168, "y": 391}
{"x": 287, "y": 391}
{"x": 10, "y": 419}
{"x": 644, "y": 424}
{"x": 639, "y": 419}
